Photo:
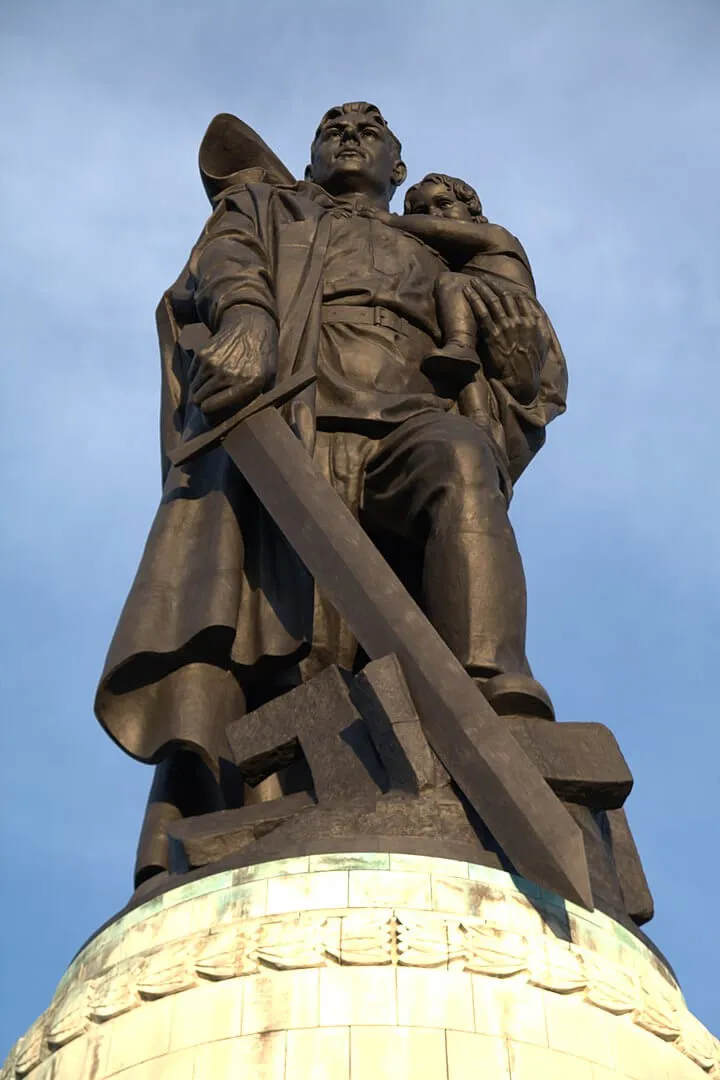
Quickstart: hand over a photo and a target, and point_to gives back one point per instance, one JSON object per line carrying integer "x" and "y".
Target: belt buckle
{"x": 383, "y": 317}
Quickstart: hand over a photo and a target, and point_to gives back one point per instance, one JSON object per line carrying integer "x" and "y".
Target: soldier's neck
{"x": 360, "y": 200}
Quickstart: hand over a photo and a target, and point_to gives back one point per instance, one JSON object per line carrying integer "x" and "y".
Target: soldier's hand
{"x": 513, "y": 329}
{"x": 238, "y": 362}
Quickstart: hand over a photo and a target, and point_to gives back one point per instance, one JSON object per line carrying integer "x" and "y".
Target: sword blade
{"x": 527, "y": 820}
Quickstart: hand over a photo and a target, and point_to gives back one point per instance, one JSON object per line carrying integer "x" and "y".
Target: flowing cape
{"x": 219, "y": 598}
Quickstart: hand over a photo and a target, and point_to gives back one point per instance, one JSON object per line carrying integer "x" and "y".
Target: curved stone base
{"x": 370, "y": 967}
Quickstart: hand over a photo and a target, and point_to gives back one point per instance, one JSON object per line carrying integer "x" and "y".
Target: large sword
{"x": 528, "y": 821}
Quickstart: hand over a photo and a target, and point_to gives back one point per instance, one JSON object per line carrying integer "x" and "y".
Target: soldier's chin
{"x": 350, "y": 168}
{"x": 350, "y": 165}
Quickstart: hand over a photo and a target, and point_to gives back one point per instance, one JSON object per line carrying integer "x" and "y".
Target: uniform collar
{"x": 351, "y": 204}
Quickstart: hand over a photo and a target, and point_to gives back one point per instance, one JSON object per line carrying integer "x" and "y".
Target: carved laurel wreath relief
{"x": 312, "y": 940}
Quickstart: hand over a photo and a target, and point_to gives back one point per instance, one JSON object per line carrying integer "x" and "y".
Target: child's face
{"x": 440, "y": 201}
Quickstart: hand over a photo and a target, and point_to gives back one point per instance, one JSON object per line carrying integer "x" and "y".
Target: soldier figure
{"x": 290, "y": 275}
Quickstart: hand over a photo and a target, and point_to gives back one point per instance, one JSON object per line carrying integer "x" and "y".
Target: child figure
{"x": 446, "y": 214}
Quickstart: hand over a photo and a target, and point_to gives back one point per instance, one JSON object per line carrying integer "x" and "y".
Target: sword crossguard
{"x": 287, "y": 390}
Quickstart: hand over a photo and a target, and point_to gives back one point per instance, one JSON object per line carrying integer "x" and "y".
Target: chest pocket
{"x": 385, "y": 246}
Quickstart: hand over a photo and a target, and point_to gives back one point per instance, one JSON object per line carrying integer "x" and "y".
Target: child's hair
{"x": 462, "y": 191}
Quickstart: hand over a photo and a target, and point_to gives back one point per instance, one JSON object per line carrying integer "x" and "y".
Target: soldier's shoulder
{"x": 265, "y": 191}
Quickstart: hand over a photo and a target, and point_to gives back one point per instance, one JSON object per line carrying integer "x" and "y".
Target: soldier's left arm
{"x": 524, "y": 365}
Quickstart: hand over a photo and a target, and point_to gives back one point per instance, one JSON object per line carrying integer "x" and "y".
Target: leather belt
{"x": 367, "y": 316}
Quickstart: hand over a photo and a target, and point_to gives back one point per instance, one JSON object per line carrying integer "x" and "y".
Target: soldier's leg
{"x": 183, "y": 785}
{"x": 435, "y": 481}
{"x": 194, "y": 774}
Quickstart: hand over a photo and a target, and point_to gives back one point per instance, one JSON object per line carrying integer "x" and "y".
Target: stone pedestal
{"x": 370, "y": 967}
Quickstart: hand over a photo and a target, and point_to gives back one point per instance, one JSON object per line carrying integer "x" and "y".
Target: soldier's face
{"x": 353, "y": 153}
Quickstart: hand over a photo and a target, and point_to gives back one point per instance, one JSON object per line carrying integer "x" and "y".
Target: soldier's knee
{"x": 466, "y": 455}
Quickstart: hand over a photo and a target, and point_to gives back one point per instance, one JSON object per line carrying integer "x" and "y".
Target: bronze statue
{"x": 429, "y": 372}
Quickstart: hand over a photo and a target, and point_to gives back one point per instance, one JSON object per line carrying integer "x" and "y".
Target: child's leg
{"x": 456, "y": 362}
{"x": 456, "y": 317}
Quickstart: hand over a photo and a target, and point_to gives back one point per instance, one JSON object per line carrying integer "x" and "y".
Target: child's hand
{"x": 395, "y": 221}
{"x": 383, "y": 216}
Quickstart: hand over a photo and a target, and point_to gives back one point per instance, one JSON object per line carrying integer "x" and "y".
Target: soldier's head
{"x": 444, "y": 196}
{"x": 355, "y": 152}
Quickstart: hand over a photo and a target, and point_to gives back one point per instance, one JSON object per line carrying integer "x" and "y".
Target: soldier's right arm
{"x": 231, "y": 262}
{"x": 234, "y": 297}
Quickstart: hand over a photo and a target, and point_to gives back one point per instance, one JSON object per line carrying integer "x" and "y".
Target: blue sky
{"x": 590, "y": 129}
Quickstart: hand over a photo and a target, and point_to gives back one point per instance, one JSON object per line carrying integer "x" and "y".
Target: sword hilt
{"x": 186, "y": 451}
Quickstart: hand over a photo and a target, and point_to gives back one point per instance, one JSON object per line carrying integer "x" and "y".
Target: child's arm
{"x": 505, "y": 267}
{"x": 458, "y": 241}
{"x": 468, "y": 246}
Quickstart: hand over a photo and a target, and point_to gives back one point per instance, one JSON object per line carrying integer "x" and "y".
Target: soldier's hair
{"x": 369, "y": 110}
{"x": 460, "y": 189}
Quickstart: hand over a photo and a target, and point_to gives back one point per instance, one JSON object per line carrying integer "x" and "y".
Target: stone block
{"x": 489, "y": 875}
{"x": 509, "y": 1009}
{"x": 174, "y": 922}
{"x": 587, "y": 935}
{"x": 581, "y": 1030}
{"x": 423, "y": 864}
{"x": 272, "y": 868}
{"x": 358, "y": 996}
{"x": 261, "y": 1057}
{"x": 211, "y": 837}
{"x": 476, "y": 1057}
{"x": 643, "y": 1056}
{"x": 581, "y": 762}
{"x": 435, "y": 998}
{"x": 193, "y": 890}
{"x": 140, "y": 1035}
{"x": 361, "y": 860}
{"x": 281, "y": 1000}
{"x": 179, "y": 1066}
{"x": 304, "y": 892}
{"x": 247, "y": 901}
{"x": 109, "y": 950}
{"x": 383, "y": 699}
{"x": 206, "y": 1014}
{"x": 76, "y": 1059}
{"x": 318, "y": 1054}
{"x": 142, "y": 936}
{"x": 320, "y": 719}
{"x": 510, "y": 911}
{"x": 633, "y": 883}
{"x": 456, "y": 895}
{"x": 556, "y": 923}
{"x": 397, "y": 1053}
{"x": 536, "y": 1063}
{"x": 373, "y": 888}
